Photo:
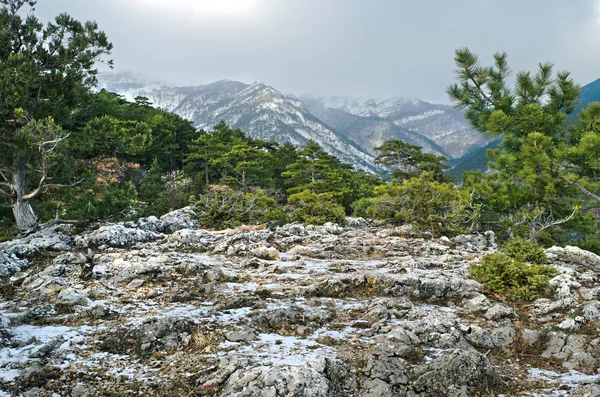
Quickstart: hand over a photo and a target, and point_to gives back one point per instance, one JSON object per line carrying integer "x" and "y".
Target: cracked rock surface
{"x": 160, "y": 307}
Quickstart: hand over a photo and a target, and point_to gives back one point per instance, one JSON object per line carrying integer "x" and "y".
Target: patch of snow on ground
{"x": 568, "y": 381}
{"x": 274, "y": 349}
{"x": 32, "y": 338}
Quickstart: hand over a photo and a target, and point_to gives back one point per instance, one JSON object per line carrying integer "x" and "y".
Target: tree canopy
{"x": 546, "y": 151}
{"x": 409, "y": 161}
{"x": 45, "y": 74}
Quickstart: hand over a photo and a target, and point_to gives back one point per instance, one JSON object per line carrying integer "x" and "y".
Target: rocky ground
{"x": 163, "y": 308}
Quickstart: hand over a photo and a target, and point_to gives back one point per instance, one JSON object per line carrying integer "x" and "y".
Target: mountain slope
{"x": 369, "y": 130}
{"x": 589, "y": 93}
{"x": 259, "y": 110}
{"x": 348, "y": 128}
{"x": 474, "y": 161}
{"x": 440, "y": 124}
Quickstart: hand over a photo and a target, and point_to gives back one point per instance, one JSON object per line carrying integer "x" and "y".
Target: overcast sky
{"x": 375, "y": 48}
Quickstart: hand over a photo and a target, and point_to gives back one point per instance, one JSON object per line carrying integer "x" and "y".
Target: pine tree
{"x": 317, "y": 171}
{"x": 408, "y": 161}
{"x": 543, "y": 152}
{"x": 45, "y": 72}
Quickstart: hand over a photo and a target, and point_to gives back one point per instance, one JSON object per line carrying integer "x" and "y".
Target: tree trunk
{"x": 511, "y": 230}
{"x": 26, "y": 219}
{"x": 24, "y": 215}
{"x": 532, "y": 234}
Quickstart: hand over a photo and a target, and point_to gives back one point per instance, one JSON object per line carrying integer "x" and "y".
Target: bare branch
{"x": 54, "y": 143}
{"x": 44, "y": 171}
{"x": 3, "y": 174}
{"x": 580, "y": 187}
{"x": 64, "y": 185}
{"x": 481, "y": 91}
{"x": 6, "y": 194}
{"x": 549, "y": 221}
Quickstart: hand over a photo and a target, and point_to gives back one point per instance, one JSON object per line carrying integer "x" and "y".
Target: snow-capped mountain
{"x": 257, "y": 109}
{"x": 441, "y": 124}
{"x": 367, "y": 128}
{"x": 345, "y": 127}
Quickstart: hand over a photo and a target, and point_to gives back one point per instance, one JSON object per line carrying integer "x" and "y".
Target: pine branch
{"x": 2, "y": 174}
{"x": 579, "y": 186}
{"x": 6, "y": 194}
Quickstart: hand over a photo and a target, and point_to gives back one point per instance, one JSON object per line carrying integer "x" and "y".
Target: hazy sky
{"x": 347, "y": 47}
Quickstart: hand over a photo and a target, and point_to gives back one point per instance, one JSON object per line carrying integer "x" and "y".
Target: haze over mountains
{"x": 349, "y": 128}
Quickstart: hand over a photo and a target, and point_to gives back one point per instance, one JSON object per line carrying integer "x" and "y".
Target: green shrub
{"x": 590, "y": 245}
{"x": 504, "y": 275}
{"x": 95, "y": 202}
{"x": 315, "y": 209}
{"x": 426, "y": 204}
{"x": 164, "y": 192}
{"x": 360, "y": 208}
{"x": 525, "y": 251}
{"x": 7, "y": 232}
{"x": 222, "y": 207}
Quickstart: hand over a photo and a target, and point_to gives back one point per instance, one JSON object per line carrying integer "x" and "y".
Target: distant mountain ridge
{"x": 589, "y": 93}
{"x": 257, "y": 109}
{"x": 349, "y": 128}
{"x": 441, "y": 124}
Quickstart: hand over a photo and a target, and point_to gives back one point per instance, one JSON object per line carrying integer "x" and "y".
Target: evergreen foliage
{"x": 315, "y": 208}
{"x": 222, "y": 207}
{"x": 46, "y": 71}
{"x": 512, "y": 277}
{"x": 425, "y": 203}
{"x": 163, "y": 192}
{"x": 408, "y": 161}
{"x": 71, "y": 153}
{"x": 545, "y": 168}
{"x": 525, "y": 251}
{"x": 227, "y": 156}
{"x": 317, "y": 171}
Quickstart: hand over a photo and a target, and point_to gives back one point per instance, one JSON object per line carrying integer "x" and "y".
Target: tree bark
{"x": 533, "y": 233}
{"x": 24, "y": 215}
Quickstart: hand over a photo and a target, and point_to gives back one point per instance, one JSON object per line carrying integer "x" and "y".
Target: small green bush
{"x": 222, "y": 207}
{"x": 315, "y": 209}
{"x": 7, "y": 232}
{"x": 508, "y": 276}
{"x": 524, "y": 251}
{"x": 115, "y": 201}
{"x": 590, "y": 245}
{"x": 164, "y": 192}
{"x": 426, "y": 204}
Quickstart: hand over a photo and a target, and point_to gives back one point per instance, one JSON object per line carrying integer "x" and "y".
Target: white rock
{"x": 10, "y": 264}
{"x": 136, "y": 283}
{"x": 70, "y": 297}
{"x": 183, "y": 218}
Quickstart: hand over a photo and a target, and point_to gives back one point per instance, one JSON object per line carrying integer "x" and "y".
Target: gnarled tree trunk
{"x": 13, "y": 180}
{"x": 24, "y": 215}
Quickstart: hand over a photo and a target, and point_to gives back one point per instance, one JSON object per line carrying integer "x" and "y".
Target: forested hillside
{"x": 72, "y": 154}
